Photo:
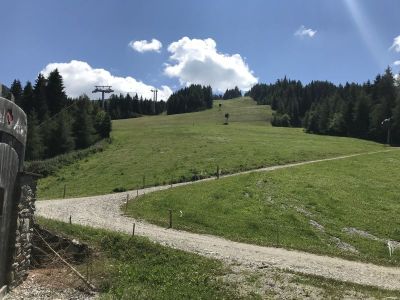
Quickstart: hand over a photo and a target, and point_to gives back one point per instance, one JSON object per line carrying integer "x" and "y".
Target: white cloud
{"x": 79, "y": 78}
{"x": 396, "y": 44}
{"x": 198, "y": 62}
{"x": 145, "y": 46}
{"x": 397, "y": 63}
{"x": 305, "y": 32}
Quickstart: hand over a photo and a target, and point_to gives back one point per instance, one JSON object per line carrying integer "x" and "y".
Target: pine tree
{"x": 61, "y": 135}
{"x": 361, "y": 116}
{"x": 27, "y": 98}
{"x": 16, "y": 90}
{"x": 83, "y": 128}
{"x": 103, "y": 124}
{"x": 395, "y": 129}
{"x": 39, "y": 97}
{"x": 55, "y": 95}
{"x": 34, "y": 144}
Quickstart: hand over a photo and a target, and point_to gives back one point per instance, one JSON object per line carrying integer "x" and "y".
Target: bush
{"x": 280, "y": 120}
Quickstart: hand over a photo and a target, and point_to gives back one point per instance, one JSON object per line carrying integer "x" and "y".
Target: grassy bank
{"x": 316, "y": 208}
{"x": 160, "y": 149}
{"x": 134, "y": 268}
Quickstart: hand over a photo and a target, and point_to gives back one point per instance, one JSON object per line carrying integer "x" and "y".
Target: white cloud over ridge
{"x": 197, "y": 61}
{"x": 80, "y": 78}
{"x": 305, "y": 32}
{"x": 397, "y": 63}
{"x": 145, "y": 46}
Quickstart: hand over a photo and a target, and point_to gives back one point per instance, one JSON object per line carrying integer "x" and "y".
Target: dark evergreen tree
{"x": 27, "y": 98}
{"x": 16, "y": 90}
{"x": 62, "y": 140}
{"x": 83, "y": 128}
{"x": 34, "y": 143}
{"x": 361, "y": 116}
{"x": 55, "y": 95}
{"x": 39, "y": 98}
{"x": 103, "y": 124}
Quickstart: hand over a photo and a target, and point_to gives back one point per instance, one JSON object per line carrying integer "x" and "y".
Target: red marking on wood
{"x": 10, "y": 117}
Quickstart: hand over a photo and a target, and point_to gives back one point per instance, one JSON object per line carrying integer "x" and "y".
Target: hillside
{"x": 345, "y": 207}
{"x": 160, "y": 149}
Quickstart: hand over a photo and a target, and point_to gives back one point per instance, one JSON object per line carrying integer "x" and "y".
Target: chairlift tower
{"x": 103, "y": 89}
{"x": 155, "y": 92}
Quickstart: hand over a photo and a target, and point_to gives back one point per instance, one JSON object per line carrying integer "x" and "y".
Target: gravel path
{"x": 104, "y": 212}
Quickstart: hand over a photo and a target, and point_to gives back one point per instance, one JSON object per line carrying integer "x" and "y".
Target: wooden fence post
{"x": 126, "y": 205}
{"x": 170, "y": 218}
{"x": 133, "y": 229}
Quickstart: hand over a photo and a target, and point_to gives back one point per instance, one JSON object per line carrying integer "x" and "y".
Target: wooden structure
{"x": 13, "y": 133}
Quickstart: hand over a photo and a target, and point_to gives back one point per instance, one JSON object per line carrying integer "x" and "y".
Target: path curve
{"x": 104, "y": 212}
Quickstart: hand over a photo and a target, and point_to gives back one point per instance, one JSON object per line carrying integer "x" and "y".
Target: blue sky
{"x": 343, "y": 40}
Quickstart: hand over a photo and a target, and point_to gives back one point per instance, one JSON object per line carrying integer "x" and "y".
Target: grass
{"x": 333, "y": 289}
{"x": 126, "y": 267}
{"x": 275, "y": 208}
{"x": 134, "y": 268}
{"x": 159, "y": 149}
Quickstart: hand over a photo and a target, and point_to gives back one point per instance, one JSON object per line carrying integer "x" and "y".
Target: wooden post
{"x": 70, "y": 219}
{"x": 65, "y": 190}
{"x": 133, "y": 229}
{"x": 137, "y": 193}
{"x": 170, "y": 218}
{"x": 217, "y": 171}
{"x": 126, "y": 205}
{"x": 87, "y": 265}
{"x": 277, "y": 235}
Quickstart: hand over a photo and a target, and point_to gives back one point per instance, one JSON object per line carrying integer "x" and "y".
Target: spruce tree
{"x": 61, "y": 135}
{"x": 55, "y": 95}
{"x": 27, "y": 98}
{"x": 39, "y": 97}
{"x": 34, "y": 144}
{"x": 103, "y": 124}
{"x": 83, "y": 128}
{"x": 16, "y": 90}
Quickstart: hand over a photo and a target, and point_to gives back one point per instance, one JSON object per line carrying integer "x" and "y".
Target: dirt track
{"x": 104, "y": 212}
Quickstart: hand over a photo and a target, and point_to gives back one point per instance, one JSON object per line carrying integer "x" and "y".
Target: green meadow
{"x": 157, "y": 150}
{"x": 320, "y": 208}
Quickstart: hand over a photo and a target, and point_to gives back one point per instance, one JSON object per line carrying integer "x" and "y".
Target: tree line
{"x": 232, "y": 93}
{"x": 369, "y": 110}
{"x": 124, "y": 107}
{"x": 190, "y": 99}
{"x": 58, "y": 124}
